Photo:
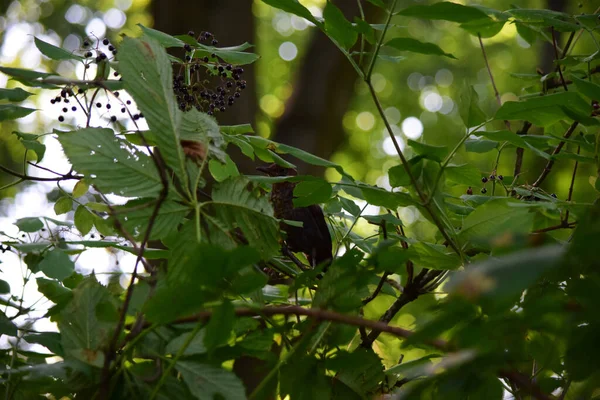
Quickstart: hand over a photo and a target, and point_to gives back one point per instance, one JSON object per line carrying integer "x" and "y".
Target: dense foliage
{"x": 502, "y": 300}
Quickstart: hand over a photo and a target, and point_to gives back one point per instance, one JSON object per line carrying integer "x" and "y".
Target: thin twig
{"x": 377, "y": 289}
{"x": 557, "y": 150}
{"x": 520, "y": 150}
{"x": 566, "y": 219}
{"x": 562, "y": 225}
{"x": 562, "y": 78}
{"x": 39, "y": 179}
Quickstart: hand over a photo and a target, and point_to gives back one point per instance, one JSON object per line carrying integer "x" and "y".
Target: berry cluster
{"x": 485, "y": 180}
{"x": 203, "y": 93}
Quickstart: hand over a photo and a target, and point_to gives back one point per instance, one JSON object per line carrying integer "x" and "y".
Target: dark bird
{"x": 313, "y": 238}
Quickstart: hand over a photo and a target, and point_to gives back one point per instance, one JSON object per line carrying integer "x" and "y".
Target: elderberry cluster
{"x": 202, "y": 92}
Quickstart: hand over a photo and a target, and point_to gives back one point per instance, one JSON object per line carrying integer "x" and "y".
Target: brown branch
{"x": 562, "y": 225}
{"x": 377, "y": 289}
{"x": 39, "y": 179}
{"x": 520, "y": 150}
{"x": 562, "y": 78}
{"x": 557, "y": 150}
{"x": 566, "y": 219}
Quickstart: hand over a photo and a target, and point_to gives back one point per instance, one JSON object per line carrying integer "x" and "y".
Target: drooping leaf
{"x": 480, "y": 145}
{"x": 464, "y": 174}
{"x": 4, "y": 287}
{"x": 435, "y": 153}
{"x": 148, "y": 78}
{"x": 164, "y": 39}
{"x": 589, "y": 89}
{"x": 54, "y": 291}
{"x": 381, "y": 197}
{"x": 398, "y": 175}
{"x": 416, "y": 46}
{"x": 469, "y": 109}
{"x": 84, "y": 220}
{"x": 338, "y": 27}
{"x": 239, "y": 204}
{"x": 7, "y": 327}
{"x": 110, "y": 163}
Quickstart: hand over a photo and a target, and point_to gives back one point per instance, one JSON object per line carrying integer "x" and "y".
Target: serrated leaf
{"x": 111, "y": 163}
{"x": 11, "y": 111}
{"x": 29, "y": 224}
{"x": 445, "y": 11}
{"x": 207, "y": 381}
{"x": 221, "y": 171}
{"x": 236, "y": 129}
{"x": 494, "y": 218}
{"x": 16, "y": 94}
{"x": 138, "y": 213}
{"x": 57, "y": 265}
{"x": 313, "y": 191}
{"x": 338, "y": 27}
{"x": 164, "y": 39}
{"x": 148, "y": 78}
{"x": 229, "y": 56}
{"x": 84, "y": 336}
{"x": 53, "y": 290}
{"x": 38, "y": 148}
{"x": 239, "y": 204}
{"x": 196, "y": 346}
{"x": 50, "y": 340}
{"x": 433, "y": 256}
{"x": 84, "y": 220}
{"x": 218, "y": 329}
{"x": 53, "y": 52}
{"x": 416, "y": 46}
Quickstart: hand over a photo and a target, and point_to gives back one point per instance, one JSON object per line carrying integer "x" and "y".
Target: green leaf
{"x": 381, "y": 197}
{"x": 84, "y": 220}
{"x": 164, "y": 39}
{"x": 53, "y": 52}
{"x": 84, "y": 336}
{"x": 583, "y": 254}
{"x": 4, "y": 287}
{"x": 50, "y": 340}
{"x": 529, "y": 35}
{"x": 546, "y": 18}
{"x": 365, "y": 29}
{"x": 416, "y": 46}
{"x": 11, "y": 111}
{"x": 138, "y": 213}
{"x": 148, "y": 78}
{"x": 496, "y": 217}
{"x": 236, "y": 129}
{"x": 469, "y": 109}
{"x": 503, "y": 136}
{"x": 207, "y": 381}
{"x": 361, "y": 370}
{"x": 57, "y": 265}
{"x": 378, "y": 3}
{"x": 433, "y": 256}
{"x": 81, "y": 188}
{"x": 445, "y": 11}
{"x": 221, "y": 171}
{"x": 239, "y": 204}
{"x": 7, "y": 327}
{"x": 196, "y": 346}
{"x": 497, "y": 279}
{"x": 27, "y": 77}
{"x": 588, "y": 89}
{"x": 294, "y": 7}
{"x": 338, "y": 27}
{"x": 220, "y": 325}
{"x": 312, "y": 191}
{"x": 229, "y": 56}
{"x": 29, "y": 224}
{"x": 545, "y": 110}
{"x": 435, "y": 153}
{"x": 399, "y": 177}
{"x": 17, "y": 94}
{"x": 110, "y": 163}
{"x": 54, "y": 291}
{"x": 480, "y": 145}
{"x": 464, "y": 174}
{"x": 63, "y": 205}
{"x": 38, "y": 148}
{"x": 485, "y": 27}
